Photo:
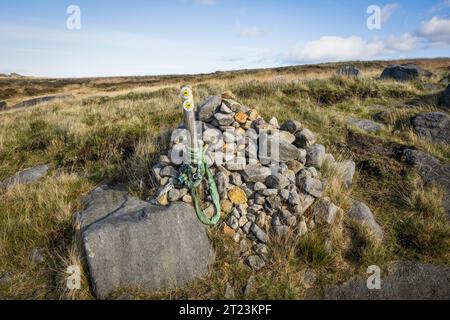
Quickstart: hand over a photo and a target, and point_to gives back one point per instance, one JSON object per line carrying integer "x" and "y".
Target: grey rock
{"x": 306, "y": 201}
{"x": 347, "y": 170}
{"x": 286, "y": 136}
{"x": 222, "y": 184}
{"x": 256, "y": 262}
{"x": 259, "y": 186}
{"x": 208, "y": 107}
{"x": 269, "y": 192}
{"x": 37, "y": 255}
{"x": 444, "y": 100}
{"x": 224, "y": 119}
{"x": 5, "y": 278}
{"x": 283, "y": 152}
{"x": 361, "y": 213}
{"x": 305, "y": 139}
{"x": 225, "y": 109}
{"x": 325, "y": 211}
{"x": 368, "y": 126}
{"x": 432, "y": 171}
{"x": 249, "y": 287}
{"x": 291, "y": 126}
{"x": 274, "y": 203}
{"x": 256, "y": 173}
{"x": 274, "y": 122}
{"x": 277, "y": 181}
{"x": 401, "y": 72}
{"x": 236, "y": 179}
{"x": 348, "y": 71}
{"x": 432, "y": 125}
{"x": 295, "y": 166}
{"x": 316, "y": 155}
{"x": 187, "y": 198}
{"x": 260, "y": 199}
{"x": 169, "y": 171}
{"x": 294, "y": 198}
{"x": 132, "y": 244}
{"x": 229, "y": 292}
{"x": 284, "y": 194}
{"x": 280, "y": 231}
{"x": 247, "y": 226}
{"x": 174, "y": 195}
{"x": 311, "y": 186}
{"x": 233, "y": 222}
{"x": 259, "y": 233}
{"x": 405, "y": 281}
{"x": 26, "y": 176}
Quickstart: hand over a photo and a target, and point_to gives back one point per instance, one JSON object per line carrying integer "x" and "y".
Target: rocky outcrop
{"x": 432, "y": 171}
{"x": 349, "y": 71}
{"x": 39, "y": 100}
{"x": 434, "y": 126}
{"x": 368, "y": 126}
{"x": 132, "y": 244}
{"x": 406, "y": 72}
{"x": 26, "y": 176}
{"x": 444, "y": 100}
{"x": 404, "y": 281}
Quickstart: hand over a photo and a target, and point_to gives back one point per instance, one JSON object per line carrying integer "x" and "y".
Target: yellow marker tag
{"x": 188, "y": 105}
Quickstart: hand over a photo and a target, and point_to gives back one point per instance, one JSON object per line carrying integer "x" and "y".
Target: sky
{"x": 153, "y": 37}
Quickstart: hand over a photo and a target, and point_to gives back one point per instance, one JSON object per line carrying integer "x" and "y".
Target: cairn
{"x": 267, "y": 175}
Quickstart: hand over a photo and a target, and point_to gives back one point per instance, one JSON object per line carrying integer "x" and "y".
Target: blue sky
{"x": 138, "y": 37}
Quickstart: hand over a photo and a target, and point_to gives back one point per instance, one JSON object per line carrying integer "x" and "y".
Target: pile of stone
{"x": 267, "y": 175}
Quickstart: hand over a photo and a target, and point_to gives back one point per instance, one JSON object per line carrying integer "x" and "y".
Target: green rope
{"x": 192, "y": 176}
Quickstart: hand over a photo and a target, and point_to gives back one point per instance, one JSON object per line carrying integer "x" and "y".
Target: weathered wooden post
{"x": 189, "y": 115}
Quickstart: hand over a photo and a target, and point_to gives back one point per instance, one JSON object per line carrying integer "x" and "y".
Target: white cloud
{"x": 440, "y": 6}
{"x": 334, "y": 48}
{"x": 250, "y": 32}
{"x": 436, "y": 31}
{"x": 406, "y": 42}
{"x": 387, "y": 11}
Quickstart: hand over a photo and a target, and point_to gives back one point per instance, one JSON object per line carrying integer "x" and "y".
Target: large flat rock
{"x": 432, "y": 125}
{"x": 131, "y": 244}
{"x": 404, "y": 281}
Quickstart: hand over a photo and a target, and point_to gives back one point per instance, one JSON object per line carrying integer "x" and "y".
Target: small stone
{"x": 260, "y": 199}
{"x": 237, "y": 237}
{"x": 37, "y": 255}
{"x": 237, "y": 196}
{"x": 249, "y": 287}
{"x": 235, "y": 166}
{"x": 291, "y": 126}
{"x": 233, "y": 222}
{"x": 274, "y": 203}
{"x": 325, "y": 211}
{"x": 241, "y": 117}
{"x": 286, "y": 136}
{"x": 222, "y": 183}
{"x": 244, "y": 245}
{"x": 256, "y": 173}
{"x": 228, "y": 231}
{"x": 236, "y": 179}
{"x": 224, "y": 109}
{"x": 235, "y": 213}
{"x": 247, "y": 189}
{"x": 255, "y": 262}
{"x": 163, "y": 200}
{"x": 174, "y": 195}
{"x": 274, "y": 122}
{"x": 261, "y": 220}
{"x": 246, "y": 227}
{"x": 277, "y": 181}
{"x": 295, "y": 166}
{"x": 302, "y": 228}
{"x": 224, "y": 119}
{"x": 165, "y": 160}
{"x": 228, "y": 95}
{"x": 242, "y": 221}
{"x": 229, "y": 292}
{"x": 362, "y": 214}
{"x": 312, "y": 186}
{"x": 259, "y": 234}
{"x": 253, "y": 115}
{"x": 187, "y": 198}
{"x": 208, "y": 107}
{"x": 294, "y": 198}
{"x": 316, "y": 155}
{"x": 259, "y": 186}
{"x": 242, "y": 209}
{"x": 169, "y": 171}
{"x": 226, "y": 206}
{"x": 305, "y": 139}
{"x": 284, "y": 194}
{"x": 164, "y": 181}
{"x": 269, "y": 192}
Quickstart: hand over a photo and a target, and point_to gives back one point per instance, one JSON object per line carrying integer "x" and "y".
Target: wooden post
{"x": 189, "y": 114}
